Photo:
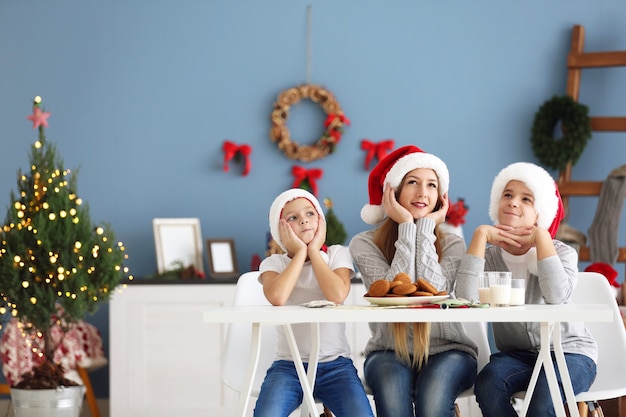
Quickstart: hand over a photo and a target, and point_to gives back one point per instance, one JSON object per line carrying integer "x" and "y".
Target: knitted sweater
{"x": 554, "y": 284}
{"x": 416, "y": 256}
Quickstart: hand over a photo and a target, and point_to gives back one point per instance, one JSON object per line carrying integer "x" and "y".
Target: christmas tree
{"x": 55, "y": 264}
{"x": 335, "y": 232}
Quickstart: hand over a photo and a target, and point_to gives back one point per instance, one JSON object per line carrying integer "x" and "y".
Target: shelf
{"x": 584, "y": 256}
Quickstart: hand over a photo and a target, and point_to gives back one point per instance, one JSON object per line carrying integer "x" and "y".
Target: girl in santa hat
{"x": 526, "y": 210}
{"x": 308, "y": 271}
{"x": 415, "y": 369}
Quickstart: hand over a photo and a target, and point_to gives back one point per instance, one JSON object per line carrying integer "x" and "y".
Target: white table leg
{"x": 544, "y": 358}
{"x": 564, "y": 372}
{"x": 548, "y": 366}
{"x": 533, "y": 379}
{"x": 253, "y": 362}
{"x": 313, "y": 361}
{"x": 309, "y": 401}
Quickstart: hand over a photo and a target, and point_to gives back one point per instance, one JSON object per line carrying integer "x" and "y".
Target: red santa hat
{"x": 548, "y": 202}
{"x": 392, "y": 169}
{"x": 278, "y": 205}
{"x": 605, "y": 269}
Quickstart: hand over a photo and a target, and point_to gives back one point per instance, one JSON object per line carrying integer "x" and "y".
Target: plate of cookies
{"x": 403, "y": 291}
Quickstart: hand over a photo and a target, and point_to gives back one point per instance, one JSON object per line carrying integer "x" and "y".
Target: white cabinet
{"x": 165, "y": 361}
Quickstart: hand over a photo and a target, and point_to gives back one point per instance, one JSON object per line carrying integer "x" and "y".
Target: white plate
{"x": 405, "y": 301}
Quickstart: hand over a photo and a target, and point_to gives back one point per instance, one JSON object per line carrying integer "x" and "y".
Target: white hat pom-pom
{"x": 372, "y": 214}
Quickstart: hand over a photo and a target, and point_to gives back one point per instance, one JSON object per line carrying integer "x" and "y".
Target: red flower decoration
{"x": 456, "y": 213}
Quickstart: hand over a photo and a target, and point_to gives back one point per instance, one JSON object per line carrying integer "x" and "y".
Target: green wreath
{"x": 576, "y": 127}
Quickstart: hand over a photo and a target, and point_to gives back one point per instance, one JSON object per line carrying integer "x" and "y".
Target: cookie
{"x": 404, "y": 289}
{"x": 403, "y": 277}
{"x": 379, "y": 288}
{"x": 419, "y": 293}
{"x": 426, "y": 286}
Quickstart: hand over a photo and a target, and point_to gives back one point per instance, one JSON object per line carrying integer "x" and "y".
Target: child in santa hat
{"x": 308, "y": 271}
{"x": 526, "y": 210}
{"x": 408, "y": 198}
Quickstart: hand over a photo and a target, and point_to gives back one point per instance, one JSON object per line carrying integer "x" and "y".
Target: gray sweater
{"x": 416, "y": 256}
{"x": 554, "y": 283}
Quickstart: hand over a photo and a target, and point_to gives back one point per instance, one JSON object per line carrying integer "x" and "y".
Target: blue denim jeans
{"x": 402, "y": 391}
{"x": 510, "y": 372}
{"x": 337, "y": 385}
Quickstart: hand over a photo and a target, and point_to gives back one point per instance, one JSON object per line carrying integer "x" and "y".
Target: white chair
{"x": 610, "y": 382}
{"x": 611, "y": 337}
{"x": 239, "y": 338}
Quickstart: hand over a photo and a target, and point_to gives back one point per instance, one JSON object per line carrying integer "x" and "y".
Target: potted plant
{"x": 56, "y": 266}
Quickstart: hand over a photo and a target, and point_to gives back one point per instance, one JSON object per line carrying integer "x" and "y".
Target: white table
{"x": 549, "y": 316}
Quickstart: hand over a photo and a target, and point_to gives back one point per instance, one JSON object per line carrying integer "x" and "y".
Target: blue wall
{"x": 143, "y": 93}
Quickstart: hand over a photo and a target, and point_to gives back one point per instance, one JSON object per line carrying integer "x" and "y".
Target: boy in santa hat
{"x": 308, "y": 271}
{"x": 415, "y": 369}
{"x": 526, "y": 210}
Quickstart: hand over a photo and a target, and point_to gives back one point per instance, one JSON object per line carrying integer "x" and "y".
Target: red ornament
{"x": 39, "y": 118}
{"x": 231, "y": 150}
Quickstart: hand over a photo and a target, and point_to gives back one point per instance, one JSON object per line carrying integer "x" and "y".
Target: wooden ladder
{"x": 577, "y": 60}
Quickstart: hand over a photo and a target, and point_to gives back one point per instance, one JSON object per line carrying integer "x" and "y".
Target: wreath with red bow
{"x": 333, "y": 125}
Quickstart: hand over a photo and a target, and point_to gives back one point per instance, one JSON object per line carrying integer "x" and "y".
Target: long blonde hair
{"x": 385, "y": 237}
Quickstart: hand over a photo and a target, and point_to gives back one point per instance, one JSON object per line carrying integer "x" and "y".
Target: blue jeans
{"x": 402, "y": 391}
{"x": 510, "y": 372}
{"x": 337, "y": 385}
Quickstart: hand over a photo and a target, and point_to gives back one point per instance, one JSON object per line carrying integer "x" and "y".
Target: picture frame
{"x": 178, "y": 241}
{"x": 222, "y": 257}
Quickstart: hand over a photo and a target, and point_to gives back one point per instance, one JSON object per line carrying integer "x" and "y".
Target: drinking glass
{"x": 483, "y": 288}
{"x": 518, "y": 291}
{"x": 499, "y": 288}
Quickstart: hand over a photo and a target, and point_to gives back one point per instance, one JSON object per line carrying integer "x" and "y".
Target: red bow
{"x": 379, "y": 150}
{"x": 310, "y": 175}
{"x": 331, "y": 118}
{"x": 230, "y": 150}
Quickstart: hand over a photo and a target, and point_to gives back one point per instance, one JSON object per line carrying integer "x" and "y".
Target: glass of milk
{"x": 483, "y": 288}
{"x": 518, "y": 291}
{"x": 499, "y": 288}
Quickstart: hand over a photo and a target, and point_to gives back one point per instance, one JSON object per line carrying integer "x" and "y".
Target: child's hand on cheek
{"x": 320, "y": 236}
{"x": 291, "y": 241}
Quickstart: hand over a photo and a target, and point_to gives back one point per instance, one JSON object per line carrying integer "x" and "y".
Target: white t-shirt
{"x": 333, "y": 340}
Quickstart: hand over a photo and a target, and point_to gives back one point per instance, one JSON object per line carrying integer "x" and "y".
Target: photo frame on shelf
{"x": 178, "y": 243}
{"x": 222, "y": 257}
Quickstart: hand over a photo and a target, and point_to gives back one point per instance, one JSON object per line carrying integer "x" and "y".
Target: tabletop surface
{"x": 366, "y": 313}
